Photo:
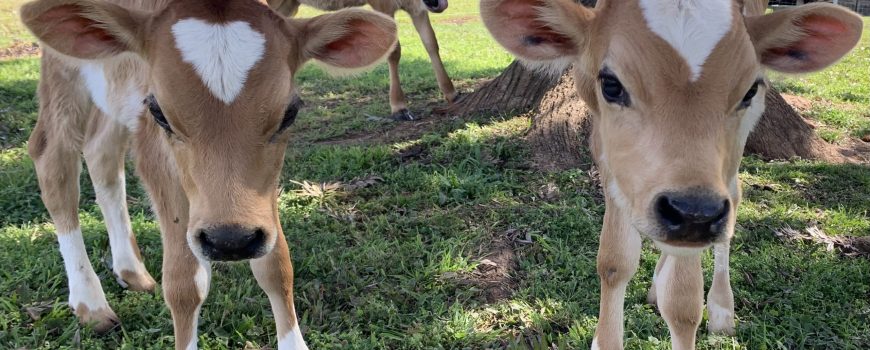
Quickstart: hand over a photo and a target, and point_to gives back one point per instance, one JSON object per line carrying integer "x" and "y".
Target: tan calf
{"x": 205, "y": 90}
{"x": 419, "y": 16}
{"x": 675, "y": 87}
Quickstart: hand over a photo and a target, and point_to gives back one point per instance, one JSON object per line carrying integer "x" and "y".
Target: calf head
{"x": 675, "y": 87}
{"x": 220, "y": 86}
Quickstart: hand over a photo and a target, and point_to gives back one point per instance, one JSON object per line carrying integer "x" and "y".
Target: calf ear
{"x": 348, "y": 39}
{"x": 805, "y": 38}
{"x": 86, "y": 29}
{"x": 537, "y": 30}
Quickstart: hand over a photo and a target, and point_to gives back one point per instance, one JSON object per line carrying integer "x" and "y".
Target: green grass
{"x": 10, "y": 26}
{"x": 392, "y": 266}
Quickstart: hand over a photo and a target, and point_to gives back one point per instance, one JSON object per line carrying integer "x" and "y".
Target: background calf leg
{"x": 274, "y": 273}
{"x": 104, "y": 154}
{"x": 680, "y": 292}
{"x": 427, "y": 35}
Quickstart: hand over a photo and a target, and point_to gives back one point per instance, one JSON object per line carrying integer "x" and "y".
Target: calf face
{"x": 219, "y": 83}
{"x": 675, "y": 87}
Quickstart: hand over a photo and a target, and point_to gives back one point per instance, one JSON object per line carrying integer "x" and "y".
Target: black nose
{"x": 692, "y": 218}
{"x": 431, "y": 3}
{"x": 231, "y": 242}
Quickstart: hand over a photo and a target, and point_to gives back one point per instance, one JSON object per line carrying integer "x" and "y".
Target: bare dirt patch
{"x": 20, "y": 49}
{"x": 800, "y": 104}
{"x": 458, "y": 20}
{"x": 495, "y": 274}
{"x": 395, "y": 132}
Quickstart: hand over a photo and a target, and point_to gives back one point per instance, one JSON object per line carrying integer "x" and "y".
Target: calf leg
{"x": 274, "y": 273}
{"x": 55, "y": 147}
{"x": 720, "y": 299}
{"x": 106, "y": 167}
{"x": 427, "y": 35}
{"x": 186, "y": 278}
{"x": 680, "y": 291}
{"x": 651, "y": 297}
{"x": 618, "y": 256}
{"x": 398, "y": 104}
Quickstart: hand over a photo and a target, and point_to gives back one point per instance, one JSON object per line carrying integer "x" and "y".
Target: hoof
{"x": 402, "y": 115}
{"x": 455, "y": 98}
{"x": 102, "y": 320}
{"x": 720, "y": 320}
{"x": 721, "y": 330}
{"x": 137, "y": 282}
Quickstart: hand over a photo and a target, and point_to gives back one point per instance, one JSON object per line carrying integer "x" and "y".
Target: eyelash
{"x": 157, "y": 113}
{"x": 290, "y": 114}
{"x": 747, "y": 99}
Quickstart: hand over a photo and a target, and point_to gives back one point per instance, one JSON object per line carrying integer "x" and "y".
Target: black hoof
{"x": 403, "y": 116}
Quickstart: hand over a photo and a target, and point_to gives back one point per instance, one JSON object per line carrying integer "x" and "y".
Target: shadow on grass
{"x": 18, "y": 107}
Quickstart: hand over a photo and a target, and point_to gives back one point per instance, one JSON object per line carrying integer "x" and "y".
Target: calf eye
{"x": 612, "y": 90}
{"x": 154, "y": 108}
{"x": 747, "y": 99}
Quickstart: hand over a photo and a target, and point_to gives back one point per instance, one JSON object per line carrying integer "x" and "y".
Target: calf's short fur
{"x": 674, "y": 87}
{"x": 204, "y": 89}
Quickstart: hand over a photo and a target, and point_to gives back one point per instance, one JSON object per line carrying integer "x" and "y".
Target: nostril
{"x": 203, "y": 239}
{"x": 668, "y": 213}
{"x": 231, "y": 242}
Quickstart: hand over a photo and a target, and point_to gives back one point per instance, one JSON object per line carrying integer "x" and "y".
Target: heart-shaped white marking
{"x": 222, "y": 54}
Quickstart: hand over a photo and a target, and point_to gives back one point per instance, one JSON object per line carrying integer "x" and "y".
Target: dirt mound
{"x": 20, "y": 49}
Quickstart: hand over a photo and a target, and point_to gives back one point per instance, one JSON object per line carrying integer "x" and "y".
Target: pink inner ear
{"x": 71, "y": 33}
{"x": 825, "y": 40}
{"x": 524, "y": 33}
{"x": 363, "y": 44}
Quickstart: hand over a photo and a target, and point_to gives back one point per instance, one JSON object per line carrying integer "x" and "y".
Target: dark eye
{"x": 290, "y": 114}
{"x": 747, "y": 99}
{"x": 612, "y": 90}
{"x": 154, "y": 108}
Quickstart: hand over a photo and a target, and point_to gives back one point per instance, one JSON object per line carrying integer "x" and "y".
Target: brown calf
{"x": 419, "y": 15}
{"x": 675, "y": 87}
{"x": 205, "y": 90}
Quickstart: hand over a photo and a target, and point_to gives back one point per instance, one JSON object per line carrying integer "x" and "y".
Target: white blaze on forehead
{"x": 692, "y": 27}
{"x": 222, "y": 54}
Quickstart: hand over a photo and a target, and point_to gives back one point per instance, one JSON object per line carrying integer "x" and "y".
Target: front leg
{"x": 274, "y": 273}
{"x": 720, "y": 299}
{"x": 186, "y": 281}
{"x": 186, "y": 278}
{"x": 618, "y": 256}
{"x": 680, "y": 292}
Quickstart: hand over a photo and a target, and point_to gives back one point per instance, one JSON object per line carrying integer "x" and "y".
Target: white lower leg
{"x": 85, "y": 291}
{"x": 720, "y": 299}
{"x": 292, "y": 340}
{"x": 126, "y": 261}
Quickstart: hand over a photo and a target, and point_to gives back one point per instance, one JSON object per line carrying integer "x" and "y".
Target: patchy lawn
{"x": 449, "y": 238}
